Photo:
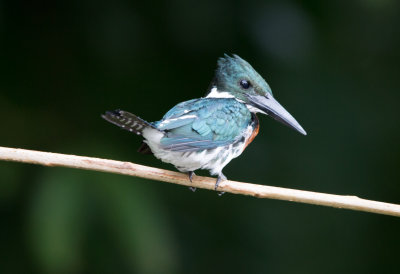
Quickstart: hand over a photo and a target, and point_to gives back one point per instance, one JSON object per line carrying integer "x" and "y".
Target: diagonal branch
{"x": 259, "y": 191}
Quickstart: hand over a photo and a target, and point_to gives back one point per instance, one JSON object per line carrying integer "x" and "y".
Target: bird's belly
{"x": 213, "y": 160}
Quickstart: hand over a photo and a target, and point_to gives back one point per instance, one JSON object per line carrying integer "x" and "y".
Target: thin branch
{"x": 259, "y": 191}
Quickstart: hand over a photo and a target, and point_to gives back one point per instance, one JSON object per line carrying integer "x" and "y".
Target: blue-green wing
{"x": 203, "y": 124}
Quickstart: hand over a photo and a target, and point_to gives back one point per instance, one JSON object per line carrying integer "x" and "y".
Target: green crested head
{"x": 236, "y": 78}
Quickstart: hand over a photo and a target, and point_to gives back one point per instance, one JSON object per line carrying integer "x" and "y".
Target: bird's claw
{"x": 221, "y": 177}
{"x": 191, "y": 173}
{"x": 192, "y": 188}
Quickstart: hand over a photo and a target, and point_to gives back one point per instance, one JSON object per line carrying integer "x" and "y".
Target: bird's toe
{"x": 191, "y": 174}
{"x": 221, "y": 177}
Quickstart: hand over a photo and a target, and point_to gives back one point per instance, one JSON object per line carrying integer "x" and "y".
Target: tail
{"x": 127, "y": 121}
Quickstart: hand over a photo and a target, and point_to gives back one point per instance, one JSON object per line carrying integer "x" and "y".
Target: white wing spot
{"x": 165, "y": 122}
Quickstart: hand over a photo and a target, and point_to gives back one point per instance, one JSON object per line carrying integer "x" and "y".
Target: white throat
{"x": 254, "y": 109}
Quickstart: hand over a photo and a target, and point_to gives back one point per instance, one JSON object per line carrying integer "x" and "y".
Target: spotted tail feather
{"x": 127, "y": 121}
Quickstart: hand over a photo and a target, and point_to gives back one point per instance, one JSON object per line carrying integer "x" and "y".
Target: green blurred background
{"x": 333, "y": 64}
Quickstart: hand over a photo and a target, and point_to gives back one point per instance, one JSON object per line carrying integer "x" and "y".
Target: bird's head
{"x": 236, "y": 78}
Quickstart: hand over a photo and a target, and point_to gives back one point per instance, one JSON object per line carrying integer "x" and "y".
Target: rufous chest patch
{"x": 254, "y": 133}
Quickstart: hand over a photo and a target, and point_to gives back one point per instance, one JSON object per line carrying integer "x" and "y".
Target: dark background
{"x": 333, "y": 64}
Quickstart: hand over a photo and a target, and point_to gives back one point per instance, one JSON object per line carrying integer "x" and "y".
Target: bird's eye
{"x": 245, "y": 84}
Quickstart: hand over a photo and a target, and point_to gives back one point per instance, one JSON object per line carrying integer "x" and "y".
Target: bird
{"x": 208, "y": 132}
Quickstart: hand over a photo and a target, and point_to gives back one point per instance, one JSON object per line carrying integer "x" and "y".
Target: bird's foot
{"x": 192, "y": 188}
{"x": 191, "y": 173}
{"x": 221, "y": 177}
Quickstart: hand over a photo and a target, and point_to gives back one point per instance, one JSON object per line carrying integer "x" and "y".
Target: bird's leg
{"x": 191, "y": 173}
{"x": 221, "y": 177}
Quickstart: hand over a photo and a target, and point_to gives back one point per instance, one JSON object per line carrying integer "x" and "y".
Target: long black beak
{"x": 270, "y": 106}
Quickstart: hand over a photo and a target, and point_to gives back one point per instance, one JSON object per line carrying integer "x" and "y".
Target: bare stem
{"x": 259, "y": 191}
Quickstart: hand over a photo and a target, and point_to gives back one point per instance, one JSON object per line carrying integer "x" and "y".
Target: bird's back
{"x": 211, "y": 122}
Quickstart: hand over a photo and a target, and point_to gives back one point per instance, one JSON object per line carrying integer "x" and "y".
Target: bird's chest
{"x": 252, "y": 131}
{"x": 220, "y": 156}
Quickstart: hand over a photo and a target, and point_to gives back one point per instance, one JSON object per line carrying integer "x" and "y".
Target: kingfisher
{"x": 208, "y": 132}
